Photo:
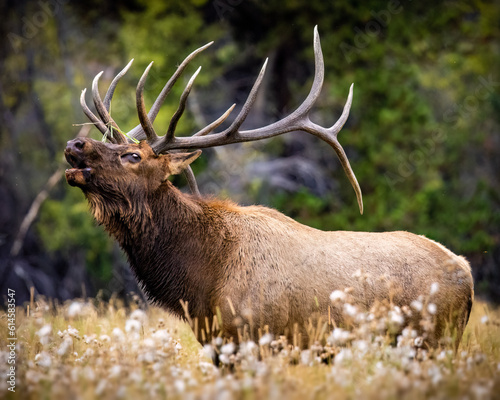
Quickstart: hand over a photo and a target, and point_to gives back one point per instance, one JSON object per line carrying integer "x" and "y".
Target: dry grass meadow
{"x": 93, "y": 349}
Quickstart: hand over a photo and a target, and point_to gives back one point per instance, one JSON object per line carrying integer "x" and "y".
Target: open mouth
{"x": 80, "y": 174}
{"x": 74, "y": 160}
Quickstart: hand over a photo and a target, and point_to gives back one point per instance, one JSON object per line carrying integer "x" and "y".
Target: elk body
{"x": 250, "y": 262}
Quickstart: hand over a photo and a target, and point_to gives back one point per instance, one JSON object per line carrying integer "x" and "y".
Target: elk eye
{"x": 133, "y": 158}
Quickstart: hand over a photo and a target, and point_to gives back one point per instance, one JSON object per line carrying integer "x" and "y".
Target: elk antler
{"x": 298, "y": 120}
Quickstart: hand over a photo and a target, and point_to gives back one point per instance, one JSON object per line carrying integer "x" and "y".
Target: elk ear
{"x": 178, "y": 162}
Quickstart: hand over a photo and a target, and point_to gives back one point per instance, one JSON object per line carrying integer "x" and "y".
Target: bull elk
{"x": 223, "y": 258}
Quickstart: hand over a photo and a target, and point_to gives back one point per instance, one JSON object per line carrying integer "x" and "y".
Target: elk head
{"x": 113, "y": 175}
{"x": 123, "y": 165}
{"x": 97, "y": 165}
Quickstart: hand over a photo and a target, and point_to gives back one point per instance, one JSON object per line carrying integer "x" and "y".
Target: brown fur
{"x": 204, "y": 251}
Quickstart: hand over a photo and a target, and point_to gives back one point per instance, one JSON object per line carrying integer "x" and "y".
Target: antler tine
{"x": 114, "y": 82}
{"x": 319, "y": 75}
{"x": 229, "y": 135}
{"x": 296, "y": 120}
{"x": 90, "y": 115}
{"x": 137, "y": 132}
{"x": 248, "y": 103}
{"x": 329, "y": 135}
{"x": 193, "y": 186}
{"x": 146, "y": 123}
{"x": 209, "y": 128}
{"x": 180, "y": 110}
{"x": 103, "y": 112}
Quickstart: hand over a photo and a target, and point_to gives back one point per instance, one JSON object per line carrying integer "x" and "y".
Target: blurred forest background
{"x": 423, "y": 135}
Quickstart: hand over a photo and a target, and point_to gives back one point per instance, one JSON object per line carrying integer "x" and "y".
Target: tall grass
{"x": 92, "y": 349}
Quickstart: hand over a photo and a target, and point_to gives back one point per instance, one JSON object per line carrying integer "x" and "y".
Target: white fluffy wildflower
{"x": 265, "y": 339}
{"x": 180, "y": 386}
{"x": 115, "y": 371}
{"x": 88, "y": 353}
{"x": 207, "y": 368}
{"x": 104, "y": 338}
{"x": 409, "y": 333}
{"x": 485, "y": 319}
{"x": 361, "y": 317}
{"x": 162, "y": 336}
{"x": 209, "y": 351}
{"x": 337, "y": 295}
{"x": 71, "y": 332}
{"x": 410, "y": 352}
{"x": 147, "y": 357}
{"x": 361, "y": 346}
{"x": 228, "y": 349}
{"x": 135, "y": 377}
{"x": 224, "y": 359}
{"x": 44, "y": 334}
{"x": 339, "y": 336}
{"x": 44, "y": 330}
{"x": 417, "y": 305}
{"x": 342, "y": 357}
{"x": 75, "y": 309}
{"x": 118, "y": 334}
{"x": 435, "y": 374}
{"x": 132, "y": 325}
{"x": 140, "y": 316}
{"x": 396, "y": 317}
{"x": 350, "y": 310}
{"x": 434, "y": 288}
{"x": 43, "y": 359}
{"x": 89, "y": 339}
{"x": 305, "y": 357}
{"x": 444, "y": 354}
{"x": 158, "y": 366}
{"x": 65, "y": 346}
{"x": 248, "y": 348}
{"x": 431, "y": 308}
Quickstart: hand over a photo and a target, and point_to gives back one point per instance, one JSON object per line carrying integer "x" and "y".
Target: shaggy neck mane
{"x": 171, "y": 251}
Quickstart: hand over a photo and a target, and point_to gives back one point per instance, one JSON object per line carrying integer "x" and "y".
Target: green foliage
{"x": 166, "y": 32}
{"x": 66, "y": 226}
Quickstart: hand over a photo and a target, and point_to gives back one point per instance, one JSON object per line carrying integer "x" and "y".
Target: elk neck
{"x": 176, "y": 245}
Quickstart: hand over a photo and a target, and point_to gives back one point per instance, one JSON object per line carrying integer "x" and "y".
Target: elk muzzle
{"x": 80, "y": 174}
